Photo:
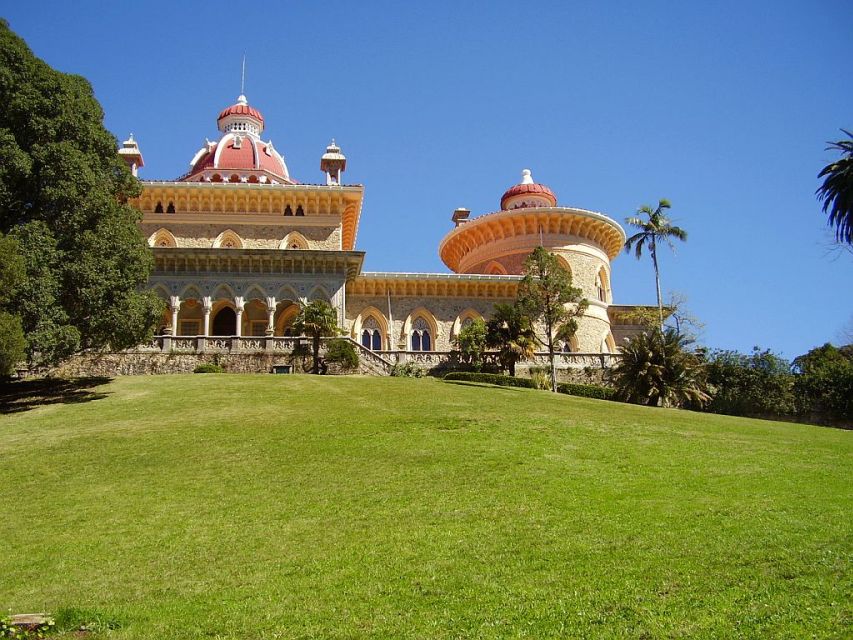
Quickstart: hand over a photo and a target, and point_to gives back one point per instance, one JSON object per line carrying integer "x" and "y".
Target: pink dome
{"x": 524, "y": 188}
{"x": 241, "y": 110}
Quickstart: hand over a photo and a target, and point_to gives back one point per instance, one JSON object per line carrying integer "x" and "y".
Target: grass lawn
{"x": 251, "y": 506}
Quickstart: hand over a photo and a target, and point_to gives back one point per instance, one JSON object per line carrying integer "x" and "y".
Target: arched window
{"x": 170, "y": 208}
{"x": 421, "y": 338}
{"x": 601, "y": 285}
{"x": 371, "y": 337}
{"x": 228, "y": 239}
{"x": 288, "y": 211}
{"x": 299, "y": 211}
{"x": 158, "y": 208}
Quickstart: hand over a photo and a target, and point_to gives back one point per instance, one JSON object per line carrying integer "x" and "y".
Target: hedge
{"x": 581, "y": 390}
{"x": 208, "y": 367}
{"x": 587, "y": 390}
{"x": 490, "y": 378}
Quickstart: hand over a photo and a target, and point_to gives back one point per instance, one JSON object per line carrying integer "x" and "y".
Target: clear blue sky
{"x": 723, "y": 107}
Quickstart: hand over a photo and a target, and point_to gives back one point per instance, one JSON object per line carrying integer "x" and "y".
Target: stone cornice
{"x": 435, "y": 285}
{"x": 563, "y": 225}
{"x": 256, "y": 262}
{"x": 234, "y": 202}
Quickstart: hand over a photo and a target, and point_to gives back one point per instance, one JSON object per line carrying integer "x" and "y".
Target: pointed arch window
{"x": 421, "y": 337}
{"x": 158, "y": 208}
{"x": 170, "y": 208}
{"x": 300, "y": 211}
{"x": 288, "y": 211}
{"x": 371, "y": 337}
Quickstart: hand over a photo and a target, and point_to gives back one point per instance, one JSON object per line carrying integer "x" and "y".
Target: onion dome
{"x": 240, "y": 155}
{"x": 528, "y": 194}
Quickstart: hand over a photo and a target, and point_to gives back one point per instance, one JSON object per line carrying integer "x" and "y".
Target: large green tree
{"x": 654, "y": 228}
{"x": 836, "y": 192}
{"x": 510, "y": 332}
{"x": 63, "y": 198}
{"x": 546, "y": 294}
{"x": 317, "y": 319}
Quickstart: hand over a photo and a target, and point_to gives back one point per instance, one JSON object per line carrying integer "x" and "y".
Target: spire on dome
{"x": 528, "y": 193}
{"x": 241, "y": 100}
{"x": 526, "y": 177}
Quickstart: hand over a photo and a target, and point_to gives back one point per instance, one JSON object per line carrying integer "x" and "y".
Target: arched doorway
{"x": 225, "y": 322}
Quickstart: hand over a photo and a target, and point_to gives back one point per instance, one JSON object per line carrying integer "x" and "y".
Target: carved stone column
{"x": 175, "y": 308}
{"x": 270, "y": 316}
{"x": 239, "y": 304}
{"x": 207, "y": 305}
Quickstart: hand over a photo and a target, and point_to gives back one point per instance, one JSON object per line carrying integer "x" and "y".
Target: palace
{"x": 239, "y": 244}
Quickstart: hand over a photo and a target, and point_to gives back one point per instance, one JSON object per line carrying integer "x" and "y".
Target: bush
{"x": 756, "y": 384}
{"x": 587, "y": 391}
{"x": 541, "y": 377}
{"x": 407, "y": 370}
{"x": 208, "y": 367}
{"x": 343, "y": 353}
{"x": 490, "y": 378}
{"x": 12, "y": 343}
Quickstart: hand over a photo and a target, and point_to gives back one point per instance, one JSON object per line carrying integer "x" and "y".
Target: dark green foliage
{"x": 317, "y": 319}
{"x": 836, "y": 192}
{"x": 209, "y": 367}
{"x": 657, "y": 368}
{"x": 758, "y": 384}
{"x": 343, "y": 353}
{"x": 12, "y": 343}
{"x": 63, "y": 197}
{"x": 587, "y": 391}
{"x": 12, "y": 340}
{"x": 546, "y": 294}
{"x": 824, "y": 384}
{"x": 510, "y": 332}
{"x": 471, "y": 343}
{"x": 490, "y": 378}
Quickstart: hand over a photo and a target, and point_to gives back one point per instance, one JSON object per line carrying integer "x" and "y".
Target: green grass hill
{"x": 249, "y": 506}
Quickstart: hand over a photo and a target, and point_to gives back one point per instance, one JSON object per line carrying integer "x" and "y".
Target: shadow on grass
{"x": 23, "y": 395}
{"x": 483, "y": 385}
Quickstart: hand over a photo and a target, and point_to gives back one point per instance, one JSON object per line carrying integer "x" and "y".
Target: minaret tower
{"x": 131, "y": 154}
{"x": 333, "y": 164}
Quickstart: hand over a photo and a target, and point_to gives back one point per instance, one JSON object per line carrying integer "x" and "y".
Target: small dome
{"x": 241, "y": 108}
{"x": 528, "y": 194}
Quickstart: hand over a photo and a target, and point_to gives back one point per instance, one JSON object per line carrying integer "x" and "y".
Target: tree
{"x": 756, "y": 384}
{"x": 657, "y": 228}
{"x": 471, "y": 343}
{"x": 12, "y": 341}
{"x": 824, "y": 383}
{"x": 63, "y": 198}
{"x": 546, "y": 294}
{"x": 316, "y": 319}
{"x": 657, "y": 368}
{"x": 836, "y": 192}
{"x": 509, "y": 331}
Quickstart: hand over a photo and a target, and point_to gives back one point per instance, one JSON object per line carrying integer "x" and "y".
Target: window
{"x": 371, "y": 338}
{"x": 299, "y": 211}
{"x": 288, "y": 211}
{"x": 421, "y": 339}
{"x": 158, "y": 208}
{"x": 170, "y": 208}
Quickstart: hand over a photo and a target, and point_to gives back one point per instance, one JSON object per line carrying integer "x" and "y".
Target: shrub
{"x": 12, "y": 343}
{"x": 756, "y": 384}
{"x": 342, "y": 352}
{"x": 541, "y": 377}
{"x": 407, "y": 370}
{"x": 208, "y": 367}
{"x": 587, "y": 391}
{"x": 471, "y": 342}
{"x": 490, "y": 378}
{"x": 824, "y": 384}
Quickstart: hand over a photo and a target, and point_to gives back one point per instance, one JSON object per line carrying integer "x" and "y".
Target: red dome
{"x": 249, "y": 155}
{"x": 240, "y": 110}
{"x": 531, "y": 188}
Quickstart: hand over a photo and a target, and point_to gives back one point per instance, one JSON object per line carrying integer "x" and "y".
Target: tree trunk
{"x": 512, "y": 368}
{"x": 316, "y": 347}
{"x": 657, "y": 282}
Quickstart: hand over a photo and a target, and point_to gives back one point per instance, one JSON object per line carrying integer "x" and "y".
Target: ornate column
{"x": 270, "y": 316}
{"x": 175, "y": 308}
{"x": 239, "y": 303}
{"x": 207, "y": 305}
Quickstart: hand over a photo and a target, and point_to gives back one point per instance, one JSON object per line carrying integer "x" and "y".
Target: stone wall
{"x": 253, "y": 236}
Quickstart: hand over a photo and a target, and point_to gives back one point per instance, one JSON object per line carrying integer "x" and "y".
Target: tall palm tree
{"x": 653, "y": 230}
{"x": 316, "y": 319}
{"x": 836, "y": 192}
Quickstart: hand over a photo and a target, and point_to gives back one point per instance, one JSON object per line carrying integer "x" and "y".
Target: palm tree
{"x": 316, "y": 319}
{"x": 658, "y": 368}
{"x": 509, "y": 331}
{"x": 657, "y": 228}
{"x": 836, "y": 192}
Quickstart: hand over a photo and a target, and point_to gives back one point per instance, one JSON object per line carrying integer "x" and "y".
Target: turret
{"x": 333, "y": 164}
{"x": 131, "y": 154}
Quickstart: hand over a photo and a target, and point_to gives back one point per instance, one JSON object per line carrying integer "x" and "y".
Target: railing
{"x": 379, "y": 361}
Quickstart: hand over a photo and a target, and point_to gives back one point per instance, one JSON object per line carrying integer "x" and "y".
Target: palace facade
{"x": 239, "y": 244}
